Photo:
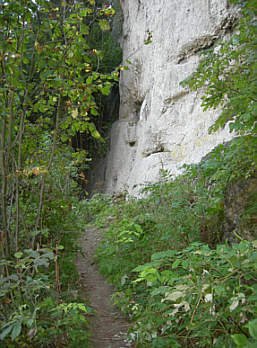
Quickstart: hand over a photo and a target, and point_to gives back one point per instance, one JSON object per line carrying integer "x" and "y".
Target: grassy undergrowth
{"x": 43, "y": 304}
{"x": 178, "y": 281}
{"x": 41, "y": 300}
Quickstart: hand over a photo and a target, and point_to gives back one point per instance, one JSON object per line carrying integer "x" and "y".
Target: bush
{"x": 163, "y": 253}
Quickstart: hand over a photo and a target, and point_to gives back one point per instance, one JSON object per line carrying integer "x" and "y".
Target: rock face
{"x": 240, "y": 210}
{"x": 161, "y": 125}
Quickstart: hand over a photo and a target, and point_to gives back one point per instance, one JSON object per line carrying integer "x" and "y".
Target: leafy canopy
{"x": 48, "y": 87}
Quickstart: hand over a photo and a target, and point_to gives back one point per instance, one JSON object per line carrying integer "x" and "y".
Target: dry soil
{"x": 108, "y": 326}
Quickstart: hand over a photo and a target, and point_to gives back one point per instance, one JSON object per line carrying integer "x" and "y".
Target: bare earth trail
{"x": 108, "y": 326}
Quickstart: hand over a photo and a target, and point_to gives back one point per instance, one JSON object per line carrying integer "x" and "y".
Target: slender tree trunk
{"x": 41, "y": 196}
{"x": 18, "y": 170}
{"x": 4, "y": 232}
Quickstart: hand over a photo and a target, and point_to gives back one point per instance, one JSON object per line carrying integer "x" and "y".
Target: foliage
{"x": 175, "y": 279}
{"x": 164, "y": 251}
{"x": 31, "y": 310}
{"x": 168, "y": 293}
{"x": 105, "y": 58}
{"x": 153, "y": 247}
{"x": 108, "y": 52}
{"x": 227, "y": 75}
{"x": 48, "y": 90}
{"x": 33, "y": 295}
{"x": 186, "y": 288}
{"x": 97, "y": 205}
{"x": 40, "y": 281}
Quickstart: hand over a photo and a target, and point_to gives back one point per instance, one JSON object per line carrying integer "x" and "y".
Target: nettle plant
{"x": 179, "y": 292}
{"x": 199, "y": 297}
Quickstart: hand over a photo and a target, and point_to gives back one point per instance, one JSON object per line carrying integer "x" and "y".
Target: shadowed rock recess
{"x": 162, "y": 125}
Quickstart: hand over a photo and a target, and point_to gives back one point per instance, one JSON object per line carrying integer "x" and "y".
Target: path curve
{"x": 108, "y": 326}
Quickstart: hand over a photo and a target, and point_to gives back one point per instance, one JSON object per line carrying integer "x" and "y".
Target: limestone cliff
{"x": 161, "y": 125}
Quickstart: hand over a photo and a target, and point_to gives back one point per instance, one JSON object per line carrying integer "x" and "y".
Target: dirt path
{"x": 107, "y": 325}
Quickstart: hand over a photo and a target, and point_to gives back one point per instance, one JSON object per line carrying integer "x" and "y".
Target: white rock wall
{"x": 161, "y": 125}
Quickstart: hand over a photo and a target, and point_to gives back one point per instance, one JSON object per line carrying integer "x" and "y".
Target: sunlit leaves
{"x": 108, "y": 11}
{"x": 104, "y": 25}
{"x": 74, "y": 113}
{"x": 48, "y": 94}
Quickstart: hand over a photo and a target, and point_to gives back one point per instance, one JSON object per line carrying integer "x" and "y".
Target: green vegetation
{"x": 177, "y": 278}
{"x": 174, "y": 278}
{"x": 49, "y": 87}
{"x": 227, "y": 74}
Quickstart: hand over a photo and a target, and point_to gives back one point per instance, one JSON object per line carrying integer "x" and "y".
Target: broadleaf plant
{"x": 49, "y": 84}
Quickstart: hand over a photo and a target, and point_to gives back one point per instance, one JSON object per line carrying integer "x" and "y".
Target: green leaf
{"x": 105, "y": 90}
{"x": 16, "y": 330}
{"x": 174, "y": 296}
{"x": 89, "y": 309}
{"x": 41, "y": 262}
{"x": 32, "y": 253}
{"x": 109, "y": 11}
{"x": 64, "y": 138}
{"x": 176, "y": 264}
{"x": 5, "y": 332}
{"x": 85, "y": 11}
{"x": 30, "y": 322}
{"x": 104, "y": 25}
{"x": 74, "y": 113}
{"x": 252, "y": 326}
{"x": 163, "y": 254}
{"x": 89, "y": 80}
{"x": 240, "y": 340}
{"x": 96, "y": 134}
{"x": 18, "y": 255}
{"x": 94, "y": 112}
{"x": 160, "y": 291}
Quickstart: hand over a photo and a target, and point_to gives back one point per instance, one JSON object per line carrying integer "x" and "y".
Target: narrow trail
{"x": 108, "y": 326}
